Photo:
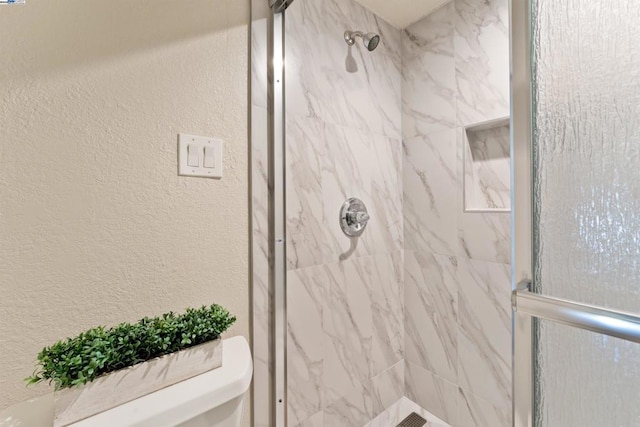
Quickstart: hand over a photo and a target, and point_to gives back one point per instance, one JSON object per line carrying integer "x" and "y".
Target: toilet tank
{"x": 212, "y": 399}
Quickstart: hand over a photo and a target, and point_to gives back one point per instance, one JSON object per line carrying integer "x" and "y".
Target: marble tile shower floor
{"x": 397, "y": 412}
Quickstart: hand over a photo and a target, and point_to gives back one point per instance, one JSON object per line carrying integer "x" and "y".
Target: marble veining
{"x": 487, "y": 173}
{"x": 385, "y": 81}
{"x": 304, "y": 155}
{"x": 482, "y": 60}
{"x": 484, "y": 334}
{"x": 406, "y": 310}
{"x": 327, "y": 164}
{"x": 387, "y": 195}
{"x": 476, "y": 412}
{"x": 261, "y": 344}
{"x": 430, "y": 183}
{"x": 343, "y": 140}
{"x": 346, "y": 347}
{"x": 353, "y": 409}
{"x": 319, "y": 85}
{"x": 434, "y": 34}
{"x": 485, "y": 236}
{"x": 431, "y": 312}
{"x": 387, "y": 309}
{"x": 316, "y": 420}
{"x": 387, "y": 387}
{"x": 307, "y": 290}
{"x": 348, "y": 330}
{"x": 455, "y": 74}
{"x": 259, "y": 64}
{"x": 363, "y": 402}
{"x": 428, "y": 75}
{"x": 347, "y": 169}
{"x": 430, "y": 391}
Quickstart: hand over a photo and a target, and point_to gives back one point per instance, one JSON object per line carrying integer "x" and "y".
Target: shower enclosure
{"x": 333, "y": 168}
{"x": 446, "y": 162}
{"x": 409, "y": 130}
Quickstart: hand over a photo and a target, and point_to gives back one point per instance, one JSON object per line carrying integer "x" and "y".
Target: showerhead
{"x": 370, "y": 40}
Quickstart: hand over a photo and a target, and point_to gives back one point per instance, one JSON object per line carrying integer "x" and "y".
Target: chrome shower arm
{"x": 350, "y": 36}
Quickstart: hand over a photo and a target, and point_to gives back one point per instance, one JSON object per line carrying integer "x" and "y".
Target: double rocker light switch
{"x": 199, "y": 156}
{"x": 209, "y": 157}
{"x": 193, "y": 157}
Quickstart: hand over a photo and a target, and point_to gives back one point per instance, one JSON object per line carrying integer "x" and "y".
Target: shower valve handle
{"x": 357, "y": 217}
{"x": 353, "y": 217}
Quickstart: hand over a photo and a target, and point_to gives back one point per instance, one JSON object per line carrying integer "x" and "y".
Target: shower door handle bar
{"x": 592, "y": 318}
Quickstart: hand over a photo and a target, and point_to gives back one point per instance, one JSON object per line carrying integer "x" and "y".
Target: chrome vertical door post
{"x": 521, "y": 207}
{"x": 277, "y": 212}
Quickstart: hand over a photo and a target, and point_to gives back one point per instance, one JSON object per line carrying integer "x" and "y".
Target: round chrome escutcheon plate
{"x": 353, "y": 217}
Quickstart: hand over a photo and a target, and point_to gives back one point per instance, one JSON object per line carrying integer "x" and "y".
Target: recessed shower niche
{"x": 487, "y": 168}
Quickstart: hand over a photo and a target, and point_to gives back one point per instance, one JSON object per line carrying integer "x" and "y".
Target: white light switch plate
{"x": 199, "y": 144}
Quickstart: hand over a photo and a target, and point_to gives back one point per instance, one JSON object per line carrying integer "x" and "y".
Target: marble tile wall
{"x": 487, "y": 174}
{"x": 345, "y": 297}
{"x": 455, "y": 74}
{"x": 419, "y": 305}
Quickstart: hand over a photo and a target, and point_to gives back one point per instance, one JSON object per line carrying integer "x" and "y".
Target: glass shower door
{"x": 585, "y": 175}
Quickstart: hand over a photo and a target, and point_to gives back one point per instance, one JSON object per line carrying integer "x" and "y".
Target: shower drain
{"x": 413, "y": 420}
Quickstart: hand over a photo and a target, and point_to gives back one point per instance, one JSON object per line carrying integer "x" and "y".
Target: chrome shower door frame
{"x": 277, "y": 205}
{"x": 523, "y": 345}
{"x": 279, "y": 6}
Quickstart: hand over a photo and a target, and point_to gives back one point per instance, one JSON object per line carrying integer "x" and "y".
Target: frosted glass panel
{"x": 595, "y": 383}
{"x": 586, "y": 77}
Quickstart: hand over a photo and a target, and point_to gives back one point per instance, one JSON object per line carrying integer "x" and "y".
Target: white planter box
{"x": 108, "y": 391}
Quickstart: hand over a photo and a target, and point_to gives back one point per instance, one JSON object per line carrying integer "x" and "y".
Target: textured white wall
{"x": 95, "y": 225}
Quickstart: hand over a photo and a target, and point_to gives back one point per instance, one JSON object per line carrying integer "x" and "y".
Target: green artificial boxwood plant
{"x": 101, "y": 350}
